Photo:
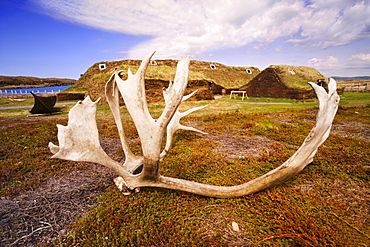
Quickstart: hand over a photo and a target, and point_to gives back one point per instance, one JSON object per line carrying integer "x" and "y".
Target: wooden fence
{"x": 357, "y": 87}
{"x": 15, "y": 94}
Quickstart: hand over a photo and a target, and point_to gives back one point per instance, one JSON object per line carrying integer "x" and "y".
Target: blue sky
{"x": 63, "y": 38}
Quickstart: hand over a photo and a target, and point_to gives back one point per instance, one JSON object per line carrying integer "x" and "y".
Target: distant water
{"x": 37, "y": 89}
{"x": 355, "y": 78}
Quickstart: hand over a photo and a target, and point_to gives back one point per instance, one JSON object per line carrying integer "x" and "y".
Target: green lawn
{"x": 220, "y": 105}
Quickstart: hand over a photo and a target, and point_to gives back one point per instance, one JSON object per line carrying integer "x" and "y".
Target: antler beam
{"x": 79, "y": 141}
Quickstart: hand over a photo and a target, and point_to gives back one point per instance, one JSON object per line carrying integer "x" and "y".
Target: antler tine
{"x": 174, "y": 124}
{"x": 175, "y": 91}
{"x": 132, "y": 162}
{"x": 79, "y": 140}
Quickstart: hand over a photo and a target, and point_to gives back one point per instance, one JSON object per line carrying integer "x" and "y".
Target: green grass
{"x": 60, "y": 110}
{"x": 222, "y": 105}
{"x": 8, "y": 102}
{"x": 355, "y": 98}
{"x": 324, "y": 205}
{"x": 226, "y": 105}
{"x": 286, "y": 215}
{"x": 24, "y": 156}
{"x": 73, "y": 89}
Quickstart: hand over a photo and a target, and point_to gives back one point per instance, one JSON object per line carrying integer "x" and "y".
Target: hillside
{"x": 351, "y": 78}
{"x": 26, "y": 81}
{"x": 160, "y": 72}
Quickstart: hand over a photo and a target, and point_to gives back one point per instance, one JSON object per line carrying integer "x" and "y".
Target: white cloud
{"x": 186, "y": 27}
{"x": 336, "y": 22}
{"x": 359, "y": 61}
{"x": 325, "y": 63}
{"x": 357, "y": 64}
{"x": 360, "y": 57}
{"x": 278, "y": 49}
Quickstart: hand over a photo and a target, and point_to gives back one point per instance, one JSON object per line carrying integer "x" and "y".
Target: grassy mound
{"x": 94, "y": 79}
{"x": 297, "y": 77}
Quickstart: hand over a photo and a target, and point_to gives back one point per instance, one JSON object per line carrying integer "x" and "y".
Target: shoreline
{"x": 35, "y": 86}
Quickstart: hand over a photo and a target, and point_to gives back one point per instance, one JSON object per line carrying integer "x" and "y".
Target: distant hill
{"x": 27, "y": 81}
{"x": 353, "y": 78}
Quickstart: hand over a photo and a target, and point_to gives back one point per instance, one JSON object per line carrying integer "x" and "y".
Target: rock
{"x": 235, "y": 226}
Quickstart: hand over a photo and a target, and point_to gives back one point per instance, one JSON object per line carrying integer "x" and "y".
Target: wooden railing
{"x": 357, "y": 87}
{"x": 15, "y": 94}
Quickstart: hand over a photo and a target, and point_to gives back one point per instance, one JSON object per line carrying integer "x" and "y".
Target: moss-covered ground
{"x": 327, "y": 204}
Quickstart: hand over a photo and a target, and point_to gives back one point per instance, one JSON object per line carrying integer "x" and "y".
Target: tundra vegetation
{"x": 79, "y": 140}
{"x": 325, "y": 204}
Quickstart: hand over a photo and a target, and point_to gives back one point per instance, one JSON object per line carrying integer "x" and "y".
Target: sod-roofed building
{"x": 209, "y": 78}
{"x": 282, "y": 81}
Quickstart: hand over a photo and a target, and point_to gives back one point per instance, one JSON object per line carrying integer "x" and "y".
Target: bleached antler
{"x": 79, "y": 140}
{"x": 174, "y": 125}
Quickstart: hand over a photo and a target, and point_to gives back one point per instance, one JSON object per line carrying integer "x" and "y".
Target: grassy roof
{"x": 297, "y": 77}
{"x": 226, "y": 76}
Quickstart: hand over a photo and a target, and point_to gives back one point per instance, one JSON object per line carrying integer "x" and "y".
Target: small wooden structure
{"x": 239, "y": 92}
{"x": 43, "y": 104}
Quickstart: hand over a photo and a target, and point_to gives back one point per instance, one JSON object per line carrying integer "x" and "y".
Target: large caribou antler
{"x": 79, "y": 141}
